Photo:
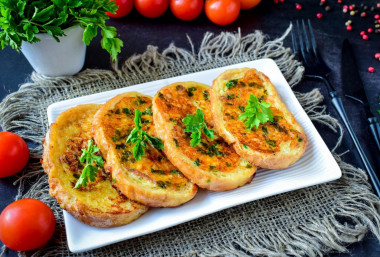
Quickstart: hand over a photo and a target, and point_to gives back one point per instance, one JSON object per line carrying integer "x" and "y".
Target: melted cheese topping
{"x": 268, "y": 137}
{"x": 213, "y": 155}
{"x": 153, "y": 166}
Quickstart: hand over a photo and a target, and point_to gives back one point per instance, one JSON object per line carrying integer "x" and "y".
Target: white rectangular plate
{"x": 316, "y": 166}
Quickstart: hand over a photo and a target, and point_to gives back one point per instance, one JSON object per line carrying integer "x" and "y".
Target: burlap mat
{"x": 307, "y": 222}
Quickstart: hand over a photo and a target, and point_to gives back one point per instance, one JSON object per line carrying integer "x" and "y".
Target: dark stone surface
{"x": 137, "y": 32}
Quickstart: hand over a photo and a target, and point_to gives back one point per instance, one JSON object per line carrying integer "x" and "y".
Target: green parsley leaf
{"x": 195, "y": 125}
{"x": 22, "y": 20}
{"x": 89, "y": 173}
{"x": 256, "y": 112}
{"x": 140, "y": 138}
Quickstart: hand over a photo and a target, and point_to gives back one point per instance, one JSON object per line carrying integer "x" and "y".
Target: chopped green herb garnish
{"x": 253, "y": 84}
{"x": 89, "y": 172}
{"x": 256, "y": 112}
{"x": 228, "y": 164}
{"x": 190, "y": 91}
{"x": 140, "y": 101}
{"x": 148, "y": 111}
{"x": 162, "y": 172}
{"x": 160, "y": 95}
{"x": 264, "y": 129}
{"x": 160, "y": 158}
{"x": 232, "y": 83}
{"x": 178, "y": 87}
{"x": 205, "y": 95}
{"x": 208, "y": 181}
{"x": 113, "y": 180}
{"x": 229, "y": 97}
{"x": 241, "y": 108}
{"x": 229, "y": 104}
{"x": 176, "y": 142}
{"x": 195, "y": 125}
{"x": 211, "y": 167}
{"x": 127, "y": 111}
{"x": 197, "y": 162}
{"x": 245, "y": 146}
{"x": 271, "y": 142}
{"x": 173, "y": 120}
{"x": 139, "y": 137}
{"x": 175, "y": 172}
{"x": 248, "y": 166}
{"x": 117, "y": 111}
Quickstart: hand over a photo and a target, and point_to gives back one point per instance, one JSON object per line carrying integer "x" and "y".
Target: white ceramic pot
{"x": 52, "y": 58}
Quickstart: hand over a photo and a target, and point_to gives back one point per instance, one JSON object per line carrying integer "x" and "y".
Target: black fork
{"x": 305, "y": 48}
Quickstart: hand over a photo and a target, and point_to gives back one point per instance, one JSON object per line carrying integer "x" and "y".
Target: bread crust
{"x": 274, "y": 145}
{"x": 170, "y": 105}
{"x": 153, "y": 180}
{"x": 98, "y": 204}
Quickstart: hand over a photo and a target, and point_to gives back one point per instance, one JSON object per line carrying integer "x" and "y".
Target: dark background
{"x": 273, "y": 19}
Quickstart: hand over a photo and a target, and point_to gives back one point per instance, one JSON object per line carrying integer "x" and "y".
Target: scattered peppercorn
{"x": 298, "y": 6}
{"x": 349, "y": 22}
{"x": 365, "y": 37}
{"x": 370, "y": 30}
{"x": 328, "y": 8}
{"x": 349, "y": 27}
{"x": 339, "y": 1}
{"x": 371, "y": 69}
{"x": 377, "y": 16}
{"x": 352, "y": 13}
{"x": 362, "y": 33}
{"x": 363, "y": 14}
{"x": 351, "y": 7}
{"x": 319, "y": 15}
{"x": 377, "y": 56}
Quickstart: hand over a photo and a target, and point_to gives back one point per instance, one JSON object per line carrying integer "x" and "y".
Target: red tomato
{"x": 14, "y": 154}
{"x": 222, "y": 12}
{"x": 248, "y": 4}
{"x": 186, "y": 9}
{"x": 151, "y": 8}
{"x": 26, "y": 224}
{"x": 125, "y": 7}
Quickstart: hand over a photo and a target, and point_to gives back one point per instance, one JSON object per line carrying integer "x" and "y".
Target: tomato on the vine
{"x": 186, "y": 9}
{"x": 151, "y": 8}
{"x": 14, "y": 154}
{"x": 248, "y": 4}
{"x": 26, "y": 224}
{"x": 222, "y": 12}
{"x": 125, "y": 7}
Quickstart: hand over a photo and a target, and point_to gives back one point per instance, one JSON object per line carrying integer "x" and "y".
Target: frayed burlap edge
{"x": 20, "y": 113}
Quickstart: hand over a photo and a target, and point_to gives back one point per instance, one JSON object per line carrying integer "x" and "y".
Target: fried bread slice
{"x": 212, "y": 164}
{"x": 99, "y": 203}
{"x": 275, "y": 144}
{"x": 153, "y": 180}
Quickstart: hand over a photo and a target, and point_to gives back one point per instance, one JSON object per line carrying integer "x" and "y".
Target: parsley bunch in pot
{"x": 53, "y": 34}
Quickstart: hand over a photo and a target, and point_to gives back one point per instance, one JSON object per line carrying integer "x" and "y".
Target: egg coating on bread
{"x": 275, "y": 144}
{"x": 153, "y": 180}
{"x": 99, "y": 203}
{"x": 212, "y": 164}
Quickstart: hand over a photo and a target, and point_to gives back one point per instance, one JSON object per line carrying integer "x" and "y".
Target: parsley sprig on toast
{"x": 195, "y": 125}
{"x": 140, "y": 138}
{"x": 89, "y": 172}
{"x": 256, "y": 112}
